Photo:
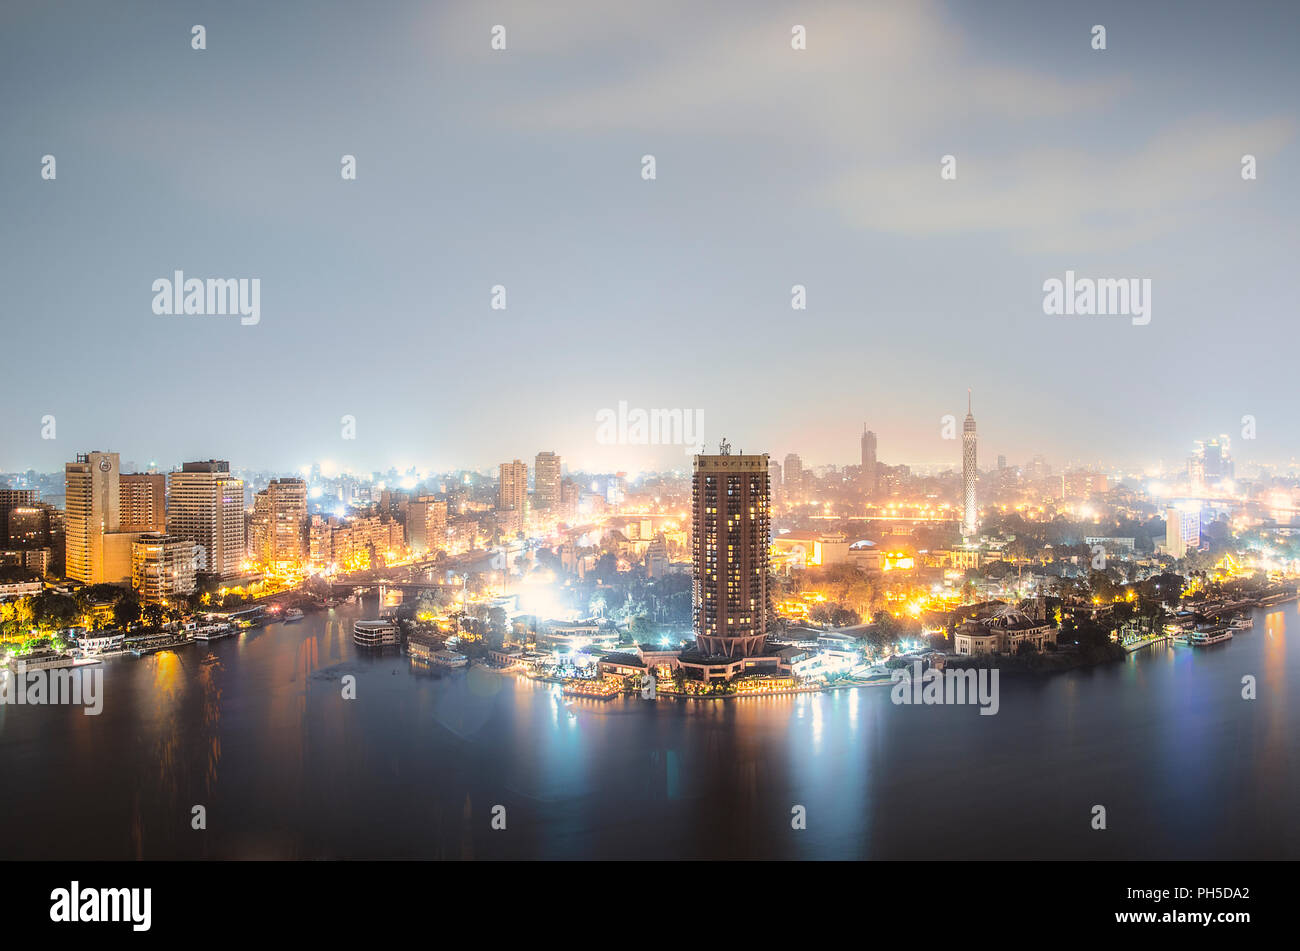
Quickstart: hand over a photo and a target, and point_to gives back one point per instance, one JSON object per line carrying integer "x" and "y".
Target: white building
{"x": 1182, "y": 530}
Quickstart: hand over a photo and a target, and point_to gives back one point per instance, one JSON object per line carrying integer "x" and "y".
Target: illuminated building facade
{"x": 279, "y": 524}
{"x": 11, "y": 499}
{"x": 1083, "y": 484}
{"x": 354, "y": 544}
{"x": 730, "y": 522}
{"x": 969, "y": 473}
{"x": 426, "y": 524}
{"x": 792, "y": 476}
{"x": 207, "y": 508}
{"x": 91, "y": 503}
{"x": 29, "y": 525}
{"x": 1003, "y": 633}
{"x": 162, "y": 567}
{"x": 512, "y": 493}
{"x": 143, "y": 505}
{"x": 1182, "y": 530}
{"x": 868, "y": 461}
{"x": 546, "y": 480}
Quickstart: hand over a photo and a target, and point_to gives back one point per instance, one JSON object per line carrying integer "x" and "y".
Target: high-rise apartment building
{"x": 969, "y": 473}
{"x": 92, "y": 501}
{"x": 29, "y": 525}
{"x": 546, "y": 480}
{"x": 206, "y": 506}
{"x": 11, "y": 499}
{"x": 279, "y": 535}
{"x": 730, "y": 529}
{"x": 1083, "y": 484}
{"x": 512, "y": 493}
{"x": 162, "y": 567}
{"x": 792, "y": 472}
{"x": 868, "y": 460}
{"x": 143, "y": 502}
{"x": 1182, "y": 530}
{"x": 426, "y": 524}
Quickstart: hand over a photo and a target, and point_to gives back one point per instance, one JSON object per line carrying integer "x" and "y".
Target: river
{"x": 255, "y": 729}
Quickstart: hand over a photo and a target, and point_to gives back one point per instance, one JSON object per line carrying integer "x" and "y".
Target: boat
{"x": 450, "y": 659}
{"x": 101, "y": 642}
{"x": 41, "y": 660}
{"x": 158, "y": 642}
{"x": 1242, "y": 623}
{"x": 376, "y": 633}
{"x": 293, "y": 614}
{"x": 1212, "y": 635}
{"x": 211, "y": 632}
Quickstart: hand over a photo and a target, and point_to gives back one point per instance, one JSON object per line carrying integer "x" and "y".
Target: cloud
{"x": 1057, "y": 199}
{"x": 882, "y": 92}
{"x": 868, "y": 69}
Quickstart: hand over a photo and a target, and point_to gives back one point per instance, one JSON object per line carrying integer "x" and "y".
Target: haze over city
{"x": 522, "y": 168}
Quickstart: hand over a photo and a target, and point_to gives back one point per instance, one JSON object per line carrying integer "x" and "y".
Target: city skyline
{"x": 1165, "y": 465}
{"x": 447, "y": 431}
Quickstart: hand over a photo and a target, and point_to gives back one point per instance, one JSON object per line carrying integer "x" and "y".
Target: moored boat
{"x": 41, "y": 660}
{"x": 211, "y": 632}
{"x": 1212, "y": 635}
{"x": 376, "y": 633}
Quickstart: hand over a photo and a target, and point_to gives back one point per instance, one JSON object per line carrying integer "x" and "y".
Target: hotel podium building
{"x": 730, "y": 528}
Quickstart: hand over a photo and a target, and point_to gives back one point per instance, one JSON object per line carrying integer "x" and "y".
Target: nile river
{"x": 255, "y": 729}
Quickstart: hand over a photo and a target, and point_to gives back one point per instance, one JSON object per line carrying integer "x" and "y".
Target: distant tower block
{"x": 969, "y": 472}
{"x": 868, "y": 461}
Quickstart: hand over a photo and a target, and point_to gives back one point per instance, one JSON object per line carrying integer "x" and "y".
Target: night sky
{"x": 523, "y": 168}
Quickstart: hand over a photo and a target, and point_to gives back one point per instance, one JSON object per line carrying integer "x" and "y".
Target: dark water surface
{"x": 255, "y": 729}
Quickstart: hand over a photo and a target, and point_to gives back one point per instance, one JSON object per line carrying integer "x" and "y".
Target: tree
{"x": 641, "y": 629}
{"x": 126, "y": 612}
{"x": 51, "y": 609}
{"x": 152, "y": 615}
{"x": 497, "y": 625}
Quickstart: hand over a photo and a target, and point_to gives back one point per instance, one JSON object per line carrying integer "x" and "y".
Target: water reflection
{"x": 256, "y": 728}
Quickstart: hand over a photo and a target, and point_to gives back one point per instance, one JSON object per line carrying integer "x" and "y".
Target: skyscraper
{"x": 92, "y": 498}
{"x": 969, "y": 472}
{"x": 546, "y": 480}
{"x": 207, "y": 508}
{"x": 1182, "y": 529}
{"x": 792, "y": 476}
{"x": 868, "y": 460}
{"x": 730, "y": 529}
{"x": 512, "y": 493}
